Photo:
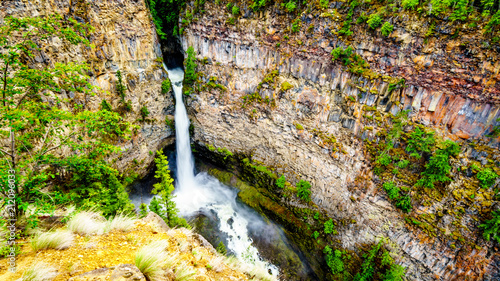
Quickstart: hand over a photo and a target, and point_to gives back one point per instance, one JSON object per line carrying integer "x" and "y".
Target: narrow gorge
{"x": 320, "y": 140}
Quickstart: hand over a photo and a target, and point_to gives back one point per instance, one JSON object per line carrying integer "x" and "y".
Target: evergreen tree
{"x": 164, "y": 206}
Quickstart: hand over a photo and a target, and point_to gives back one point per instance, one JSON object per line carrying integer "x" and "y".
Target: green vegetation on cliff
{"x": 51, "y": 145}
{"x": 166, "y": 16}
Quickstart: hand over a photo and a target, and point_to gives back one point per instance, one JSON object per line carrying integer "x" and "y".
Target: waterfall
{"x": 185, "y": 162}
{"x": 203, "y": 192}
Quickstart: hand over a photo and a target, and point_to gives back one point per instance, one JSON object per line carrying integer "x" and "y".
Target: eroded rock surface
{"x": 122, "y": 272}
{"x": 327, "y": 99}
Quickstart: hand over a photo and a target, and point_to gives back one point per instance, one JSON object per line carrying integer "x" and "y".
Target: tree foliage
{"x": 438, "y": 168}
{"x": 492, "y": 227}
{"x": 304, "y": 190}
{"x": 45, "y": 137}
{"x": 334, "y": 260}
{"x": 330, "y": 227}
{"x": 280, "y": 182}
{"x": 486, "y": 177}
{"x": 164, "y": 204}
{"x": 190, "y": 67}
{"x": 166, "y": 16}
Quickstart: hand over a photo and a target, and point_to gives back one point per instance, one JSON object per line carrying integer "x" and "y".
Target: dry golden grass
{"x": 117, "y": 247}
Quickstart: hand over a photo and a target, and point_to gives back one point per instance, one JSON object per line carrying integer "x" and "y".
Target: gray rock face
{"x": 323, "y": 99}
{"x": 122, "y": 272}
{"x": 464, "y": 117}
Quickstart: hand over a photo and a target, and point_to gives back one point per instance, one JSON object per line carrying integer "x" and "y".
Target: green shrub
{"x": 420, "y": 141}
{"x": 221, "y": 249}
{"x": 404, "y": 203}
{"x": 391, "y": 189}
{"x": 94, "y": 184}
{"x": 105, "y": 105}
{"x": 330, "y": 227}
{"x": 334, "y": 260}
{"x": 285, "y": 86}
{"x": 461, "y": 10}
{"x": 486, "y": 177}
{"x": 374, "y": 21}
{"x": 166, "y": 86}
{"x": 5, "y": 249}
{"x": 438, "y": 167}
{"x": 165, "y": 206}
{"x": 315, "y": 235}
{"x": 493, "y": 22}
{"x": 403, "y": 163}
{"x": 316, "y": 216}
{"x": 144, "y": 112}
{"x": 120, "y": 88}
{"x": 324, "y": 4}
{"x": 395, "y": 272}
{"x": 298, "y": 126}
{"x": 304, "y": 190}
{"x": 384, "y": 159}
{"x": 229, "y": 6}
{"x": 387, "y": 28}
{"x": 235, "y": 10}
{"x": 492, "y": 227}
{"x": 290, "y": 6}
{"x": 190, "y": 67}
{"x": 143, "y": 210}
{"x": 295, "y": 25}
{"x": 409, "y": 4}
{"x": 128, "y": 105}
{"x": 280, "y": 182}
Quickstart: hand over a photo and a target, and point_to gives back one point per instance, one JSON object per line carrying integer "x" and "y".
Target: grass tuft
{"x": 151, "y": 258}
{"x": 59, "y": 240}
{"x": 121, "y": 222}
{"x": 183, "y": 272}
{"x": 86, "y": 223}
{"x": 217, "y": 263}
{"x": 39, "y": 272}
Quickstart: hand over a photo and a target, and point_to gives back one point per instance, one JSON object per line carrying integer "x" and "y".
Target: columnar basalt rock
{"x": 326, "y": 97}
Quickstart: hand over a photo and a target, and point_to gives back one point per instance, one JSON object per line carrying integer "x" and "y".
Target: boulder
{"x": 153, "y": 217}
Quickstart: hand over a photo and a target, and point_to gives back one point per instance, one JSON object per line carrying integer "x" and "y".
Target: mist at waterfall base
{"x": 204, "y": 200}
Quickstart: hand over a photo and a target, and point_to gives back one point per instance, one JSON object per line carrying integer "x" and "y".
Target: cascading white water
{"x": 203, "y": 192}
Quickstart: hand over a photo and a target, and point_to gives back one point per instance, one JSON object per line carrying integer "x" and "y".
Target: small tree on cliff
{"x": 190, "y": 67}
{"x": 42, "y": 137}
{"x": 164, "y": 206}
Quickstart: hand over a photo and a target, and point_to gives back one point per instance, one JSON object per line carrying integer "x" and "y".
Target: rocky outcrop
{"x": 326, "y": 99}
{"x": 124, "y": 39}
{"x": 122, "y": 272}
{"x": 461, "y": 116}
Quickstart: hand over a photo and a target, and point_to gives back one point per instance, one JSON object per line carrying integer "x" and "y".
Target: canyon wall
{"x": 125, "y": 39}
{"x": 282, "y": 128}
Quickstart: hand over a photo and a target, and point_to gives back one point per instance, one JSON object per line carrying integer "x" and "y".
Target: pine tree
{"x": 164, "y": 206}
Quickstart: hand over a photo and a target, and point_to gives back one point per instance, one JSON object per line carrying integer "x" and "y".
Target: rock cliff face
{"x": 124, "y": 39}
{"x": 284, "y": 130}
